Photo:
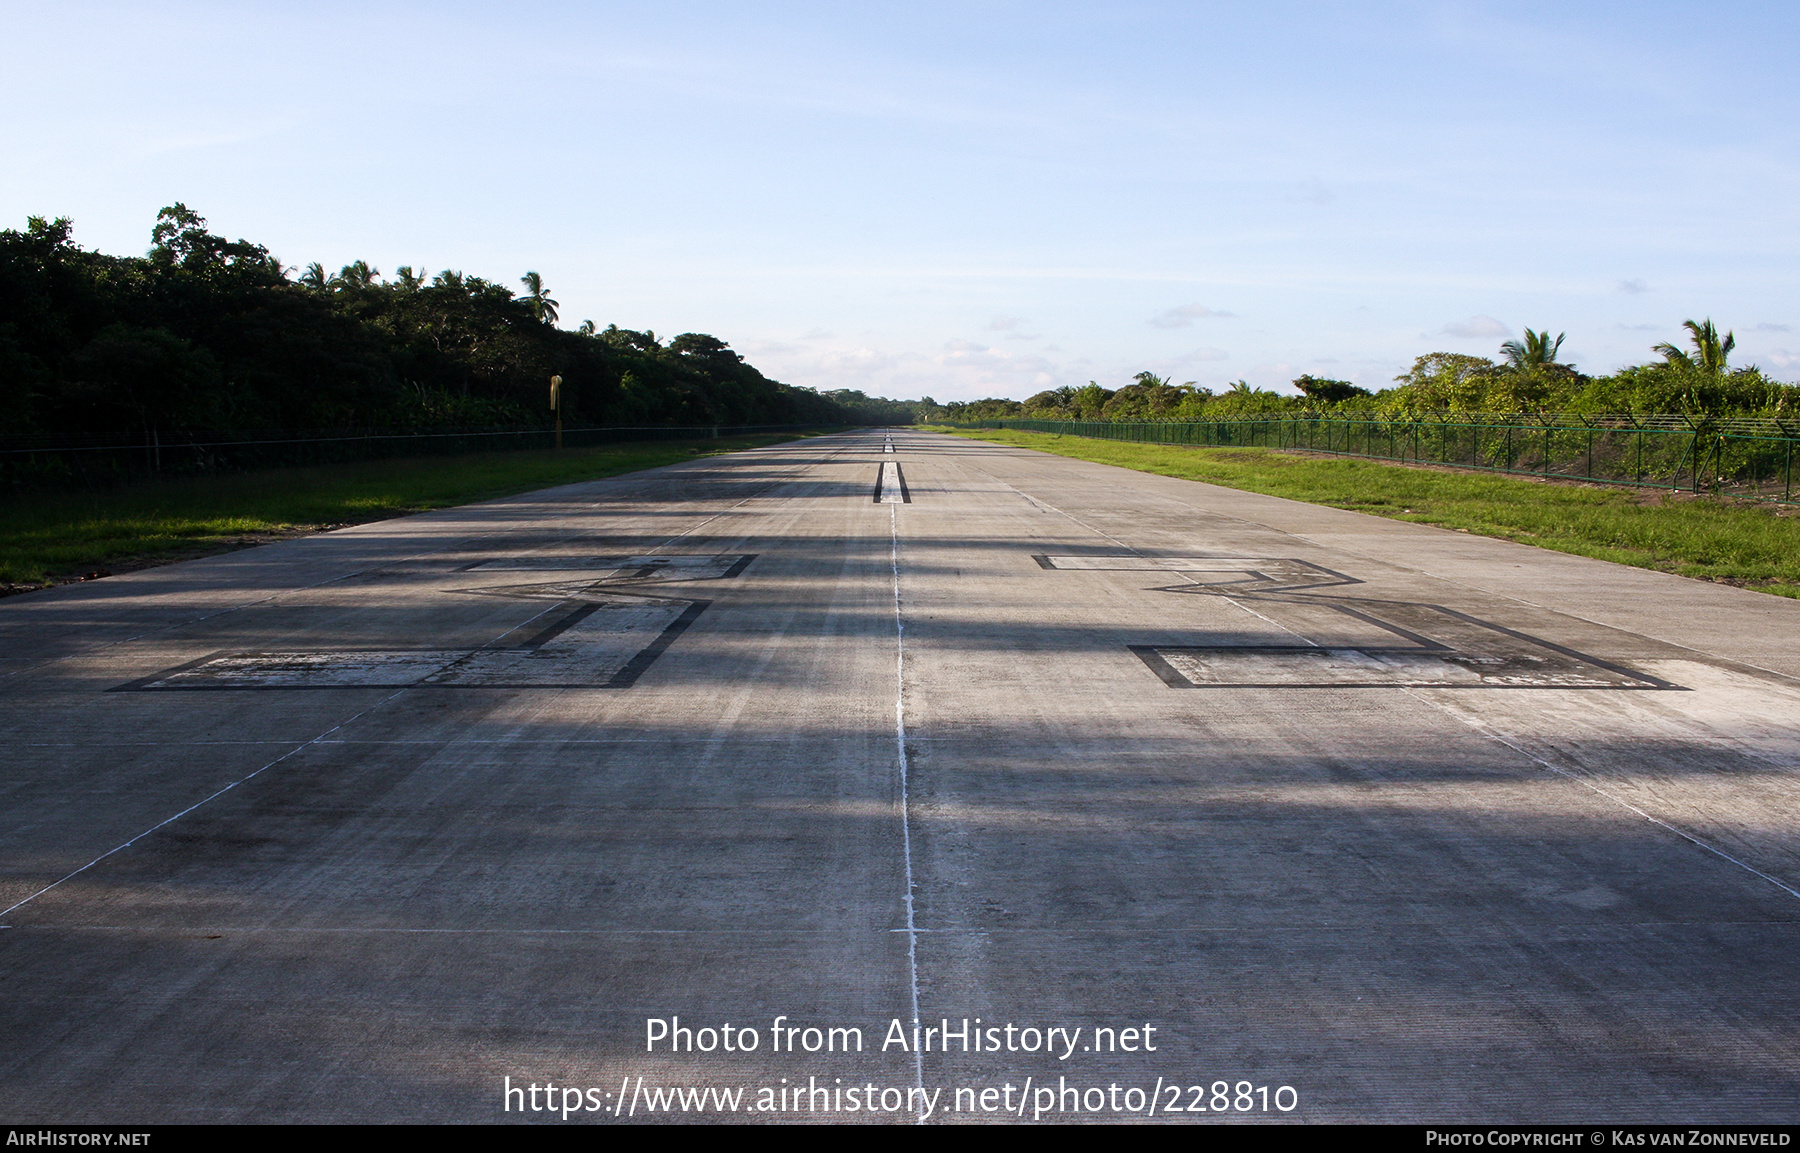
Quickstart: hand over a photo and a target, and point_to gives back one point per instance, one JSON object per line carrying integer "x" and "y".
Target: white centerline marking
{"x": 912, "y": 928}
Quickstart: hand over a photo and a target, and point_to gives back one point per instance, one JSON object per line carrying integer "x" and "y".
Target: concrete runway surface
{"x": 1420, "y": 826}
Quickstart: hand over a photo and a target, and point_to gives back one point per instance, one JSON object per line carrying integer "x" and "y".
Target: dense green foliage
{"x": 1529, "y": 380}
{"x": 1698, "y": 537}
{"x": 205, "y": 336}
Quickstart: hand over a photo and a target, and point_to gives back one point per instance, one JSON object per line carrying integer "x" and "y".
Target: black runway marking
{"x": 567, "y": 620}
{"x": 1554, "y": 647}
{"x": 1426, "y": 642}
{"x": 1262, "y": 572}
{"x": 1516, "y": 673}
{"x": 900, "y": 481}
{"x": 647, "y": 566}
{"x": 1162, "y": 668}
{"x": 623, "y": 678}
{"x": 627, "y": 676}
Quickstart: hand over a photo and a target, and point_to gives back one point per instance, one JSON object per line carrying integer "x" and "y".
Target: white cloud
{"x": 991, "y": 371}
{"x": 1186, "y": 315}
{"x": 1782, "y": 358}
{"x": 1633, "y": 287}
{"x": 1204, "y": 354}
{"x": 1773, "y": 328}
{"x": 1476, "y": 327}
{"x": 860, "y": 361}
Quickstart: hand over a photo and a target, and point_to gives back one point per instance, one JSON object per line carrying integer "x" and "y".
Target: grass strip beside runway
{"x": 1734, "y": 542}
{"x": 50, "y": 537}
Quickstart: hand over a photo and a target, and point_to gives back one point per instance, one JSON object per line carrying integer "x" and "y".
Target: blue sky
{"x": 970, "y": 199}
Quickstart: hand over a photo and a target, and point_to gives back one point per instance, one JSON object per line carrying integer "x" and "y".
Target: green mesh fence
{"x": 1752, "y": 458}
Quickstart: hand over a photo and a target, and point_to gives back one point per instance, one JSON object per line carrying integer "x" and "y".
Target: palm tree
{"x": 1537, "y": 351}
{"x": 1709, "y": 351}
{"x": 538, "y": 297}
{"x": 359, "y": 275}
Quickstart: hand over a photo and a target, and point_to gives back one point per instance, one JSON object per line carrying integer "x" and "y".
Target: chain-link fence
{"x": 1751, "y": 458}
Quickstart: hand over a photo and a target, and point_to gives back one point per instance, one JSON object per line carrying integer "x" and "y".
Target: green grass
{"x": 1757, "y": 546}
{"x": 47, "y": 537}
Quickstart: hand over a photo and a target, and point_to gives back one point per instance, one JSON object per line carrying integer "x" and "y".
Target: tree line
{"x": 1528, "y": 379}
{"x": 205, "y": 336}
